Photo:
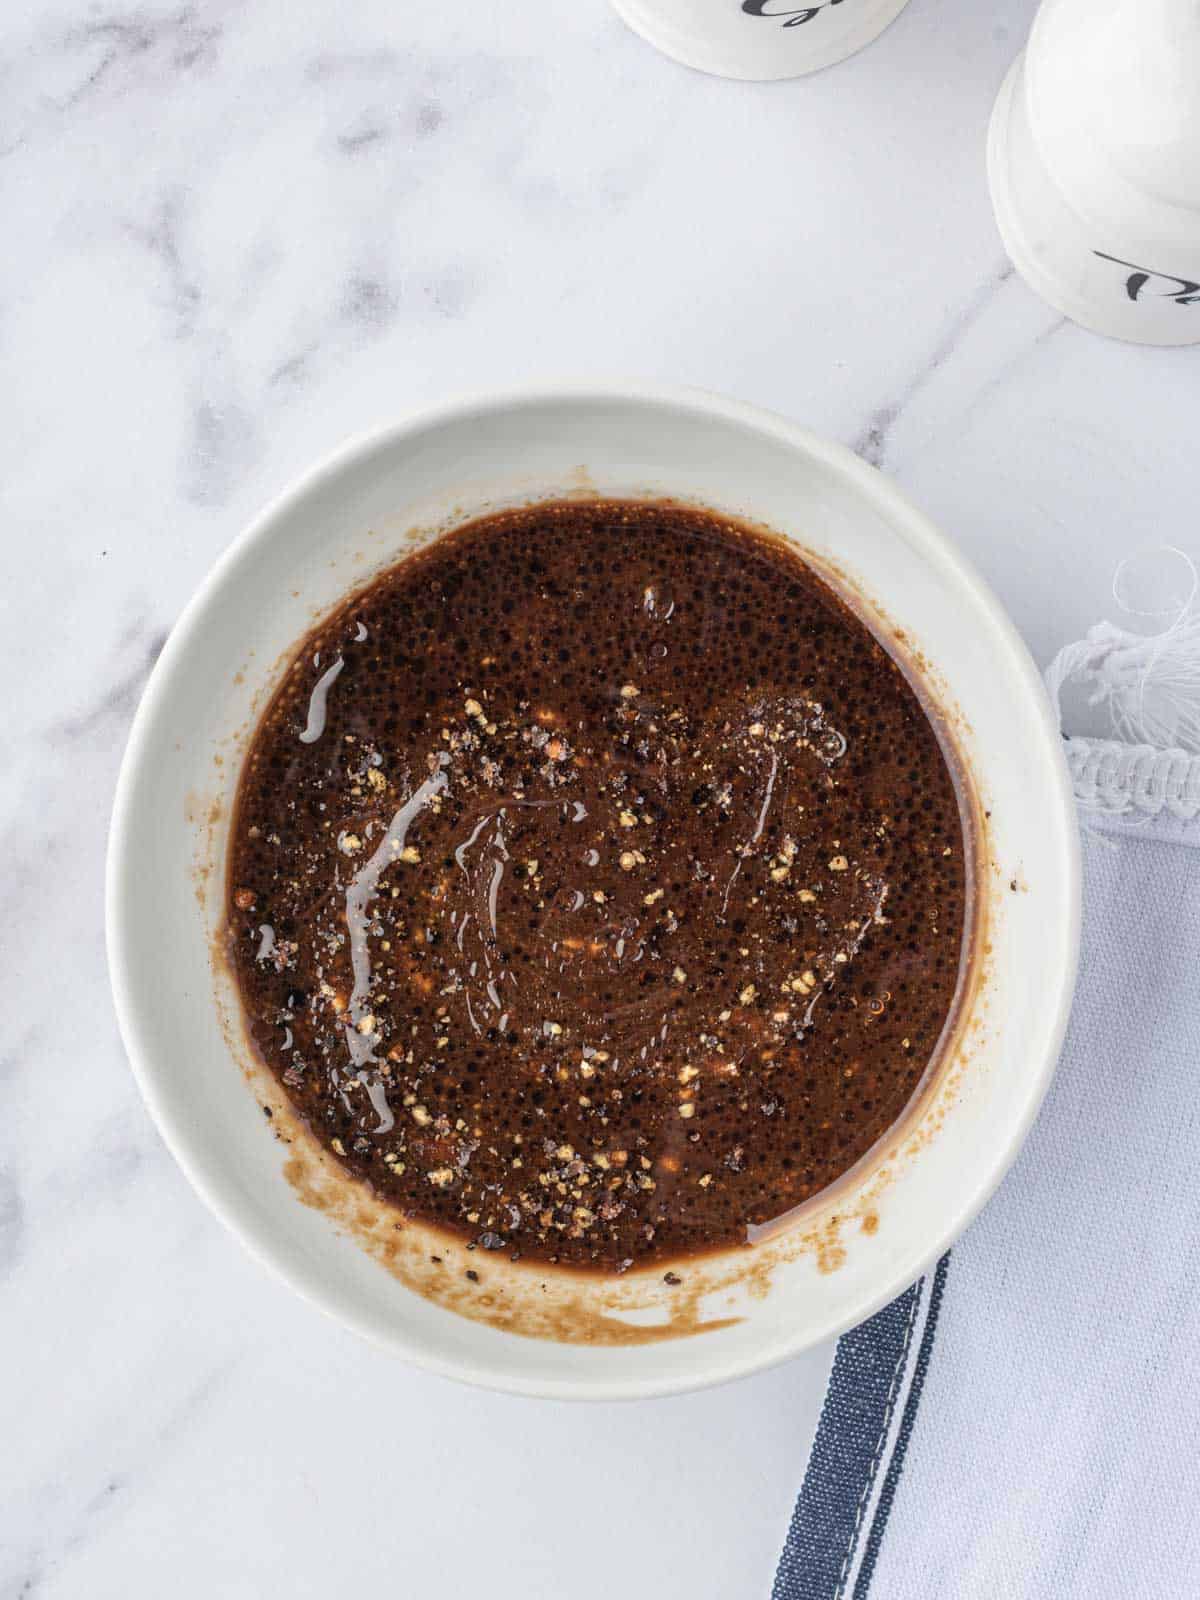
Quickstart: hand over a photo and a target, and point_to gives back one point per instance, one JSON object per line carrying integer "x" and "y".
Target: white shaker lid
{"x": 1113, "y": 91}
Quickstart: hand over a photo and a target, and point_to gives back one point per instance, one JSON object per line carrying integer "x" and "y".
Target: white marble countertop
{"x": 233, "y": 234}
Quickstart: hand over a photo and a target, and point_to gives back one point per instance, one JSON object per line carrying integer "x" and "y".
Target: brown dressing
{"x": 597, "y": 884}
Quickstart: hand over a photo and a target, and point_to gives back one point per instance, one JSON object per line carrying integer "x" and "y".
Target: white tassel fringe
{"x": 1151, "y": 686}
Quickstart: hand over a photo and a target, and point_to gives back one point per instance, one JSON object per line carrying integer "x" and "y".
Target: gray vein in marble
{"x": 116, "y": 50}
{"x": 120, "y": 699}
{"x": 56, "y": 1547}
{"x": 369, "y": 303}
{"x": 12, "y": 1223}
{"x": 224, "y": 445}
{"x": 351, "y": 63}
{"x": 873, "y": 441}
{"x": 1004, "y": 369}
{"x": 161, "y": 237}
{"x": 423, "y": 118}
{"x": 370, "y": 131}
{"x": 366, "y": 99}
{"x": 136, "y": 40}
{"x": 223, "y": 440}
{"x": 125, "y": 1149}
{"x": 12, "y": 1203}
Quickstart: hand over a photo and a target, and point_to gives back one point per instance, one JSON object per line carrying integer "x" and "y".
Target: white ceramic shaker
{"x": 759, "y": 38}
{"x": 1094, "y": 165}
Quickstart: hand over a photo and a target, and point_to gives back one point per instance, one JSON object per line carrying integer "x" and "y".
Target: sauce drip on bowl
{"x": 597, "y": 884}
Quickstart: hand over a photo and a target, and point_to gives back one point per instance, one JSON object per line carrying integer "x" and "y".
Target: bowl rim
{"x": 257, "y": 1237}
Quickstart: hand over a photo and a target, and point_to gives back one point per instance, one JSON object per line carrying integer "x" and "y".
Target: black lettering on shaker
{"x": 1184, "y": 292}
{"x": 791, "y": 18}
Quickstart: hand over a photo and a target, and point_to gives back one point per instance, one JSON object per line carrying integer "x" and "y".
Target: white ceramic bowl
{"x": 360, "y": 511}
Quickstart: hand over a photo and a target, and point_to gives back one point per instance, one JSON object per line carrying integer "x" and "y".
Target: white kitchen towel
{"x": 1024, "y": 1423}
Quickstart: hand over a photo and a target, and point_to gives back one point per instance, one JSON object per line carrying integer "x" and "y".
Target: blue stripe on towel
{"x": 852, "y": 1446}
{"x": 896, "y": 1464}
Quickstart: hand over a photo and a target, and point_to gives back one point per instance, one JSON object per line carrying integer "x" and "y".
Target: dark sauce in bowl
{"x": 598, "y": 884}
